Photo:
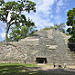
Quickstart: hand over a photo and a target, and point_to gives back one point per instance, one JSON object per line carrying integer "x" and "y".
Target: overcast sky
{"x": 48, "y": 13}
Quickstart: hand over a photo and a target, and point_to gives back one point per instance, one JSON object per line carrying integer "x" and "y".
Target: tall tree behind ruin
{"x": 71, "y": 22}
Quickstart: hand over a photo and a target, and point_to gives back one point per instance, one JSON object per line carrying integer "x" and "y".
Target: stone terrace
{"x": 44, "y": 46}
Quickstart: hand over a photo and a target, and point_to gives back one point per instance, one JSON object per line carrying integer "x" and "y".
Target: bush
{"x": 72, "y": 39}
{"x": 67, "y": 34}
{"x": 46, "y": 29}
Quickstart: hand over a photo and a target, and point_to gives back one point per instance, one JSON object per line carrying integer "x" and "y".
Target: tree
{"x": 21, "y": 31}
{"x": 71, "y": 22}
{"x": 60, "y": 27}
{"x": 15, "y": 9}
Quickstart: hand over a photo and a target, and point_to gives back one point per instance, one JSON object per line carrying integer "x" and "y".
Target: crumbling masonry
{"x": 44, "y": 46}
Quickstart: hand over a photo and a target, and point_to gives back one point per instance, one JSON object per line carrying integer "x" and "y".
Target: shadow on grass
{"x": 12, "y": 69}
{"x": 23, "y": 70}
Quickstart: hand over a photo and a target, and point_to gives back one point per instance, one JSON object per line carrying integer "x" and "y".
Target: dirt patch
{"x": 70, "y": 70}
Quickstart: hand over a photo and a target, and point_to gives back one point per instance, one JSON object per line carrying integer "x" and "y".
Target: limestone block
{"x": 50, "y": 34}
{"x": 52, "y": 47}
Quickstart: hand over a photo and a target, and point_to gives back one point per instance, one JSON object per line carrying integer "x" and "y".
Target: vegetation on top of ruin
{"x": 51, "y": 27}
{"x": 60, "y": 27}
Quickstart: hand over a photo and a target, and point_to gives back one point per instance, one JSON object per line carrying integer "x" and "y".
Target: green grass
{"x": 18, "y": 64}
{"x": 25, "y": 69}
{"x": 15, "y": 69}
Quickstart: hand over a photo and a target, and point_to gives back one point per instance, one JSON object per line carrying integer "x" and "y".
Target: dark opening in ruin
{"x": 41, "y": 60}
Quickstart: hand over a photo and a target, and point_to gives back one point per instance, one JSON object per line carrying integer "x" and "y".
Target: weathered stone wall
{"x": 50, "y": 44}
{"x": 11, "y": 53}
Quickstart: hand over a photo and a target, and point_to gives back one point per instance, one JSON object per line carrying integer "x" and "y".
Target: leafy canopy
{"x": 71, "y": 22}
{"x": 21, "y": 31}
{"x": 15, "y": 9}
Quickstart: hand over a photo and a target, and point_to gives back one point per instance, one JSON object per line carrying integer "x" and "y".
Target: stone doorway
{"x": 41, "y": 60}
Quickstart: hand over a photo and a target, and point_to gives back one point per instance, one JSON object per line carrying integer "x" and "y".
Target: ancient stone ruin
{"x": 44, "y": 46}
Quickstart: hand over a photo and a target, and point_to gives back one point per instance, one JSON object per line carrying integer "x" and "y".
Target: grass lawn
{"x": 26, "y": 69}
{"x": 16, "y": 69}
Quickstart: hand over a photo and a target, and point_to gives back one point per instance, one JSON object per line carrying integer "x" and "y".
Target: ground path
{"x": 49, "y": 69}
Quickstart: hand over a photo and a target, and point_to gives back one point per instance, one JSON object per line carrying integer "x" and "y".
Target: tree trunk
{"x": 6, "y": 36}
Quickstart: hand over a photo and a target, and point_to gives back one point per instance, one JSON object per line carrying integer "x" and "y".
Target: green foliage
{"x": 60, "y": 27}
{"x": 46, "y": 29}
{"x": 72, "y": 39}
{"x": 21, "y": 31}
{"x": 71, "y": 17}
{"x": 1, "y": 2}
{"x": 52, "y": 27}
{"x": 15, "y": 9}
{"x": 71, "y": 22}
{"x": 67, "y": 34}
